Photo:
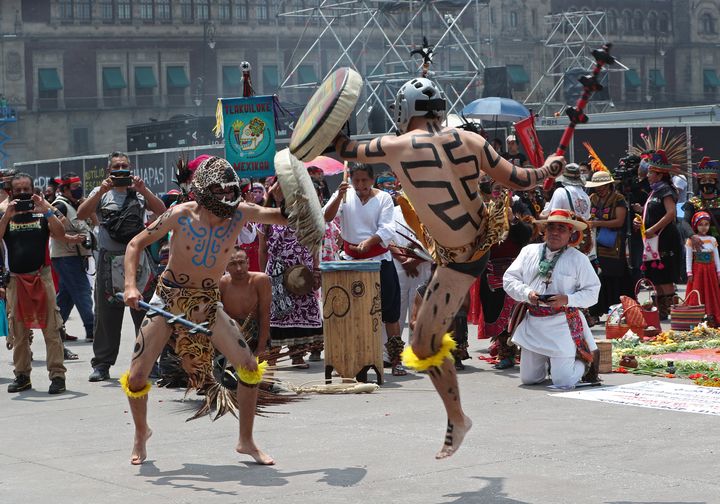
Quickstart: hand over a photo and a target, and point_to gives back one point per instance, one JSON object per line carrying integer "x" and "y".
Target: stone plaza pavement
{"x": 525, "y": 446}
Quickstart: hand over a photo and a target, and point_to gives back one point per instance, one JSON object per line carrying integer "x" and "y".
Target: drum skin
{"x": 325, "y": 114}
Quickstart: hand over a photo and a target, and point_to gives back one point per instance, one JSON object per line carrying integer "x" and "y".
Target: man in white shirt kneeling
{"x": 554, "y": 280}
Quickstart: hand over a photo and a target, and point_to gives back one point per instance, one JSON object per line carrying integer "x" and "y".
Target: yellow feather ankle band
{"x": 252, "y": 377}
{"x": 412, "y": 361}
{"x": 126, "y": 387}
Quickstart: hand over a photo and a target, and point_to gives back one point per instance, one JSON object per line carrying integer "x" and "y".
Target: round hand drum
{"x": 325, "y": 114}
{"x": 301, "y": 201}
{"x": 351, "y": 318}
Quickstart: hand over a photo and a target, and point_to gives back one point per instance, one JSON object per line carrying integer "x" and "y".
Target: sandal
{"x": 299, "y": 363}
{"x": 505, "y": 363}
{"x": 398, "y": 370}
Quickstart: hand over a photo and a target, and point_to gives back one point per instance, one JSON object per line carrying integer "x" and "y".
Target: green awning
{"x": 113, "y": 78}
{"x": 176, "y": 77}
{"x": 517, "y": 74}
{"x": 710, "y": 78}
{"x": 656, "y": 78}
{"x": 632, "y": 79}
{"x": 306, "y": 74}
{"x": 145, "y": 78}
{"x": 48, "y": 79}
{"x": 232, "y": 77}
{"x": 270, "y": 77}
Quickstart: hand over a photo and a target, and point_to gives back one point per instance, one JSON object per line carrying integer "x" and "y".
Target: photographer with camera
{"x": 70, "y": 259}
{"x": 26, "y": 227}
{"x": 635, "y": 187}
{"x": 120, "y": 203}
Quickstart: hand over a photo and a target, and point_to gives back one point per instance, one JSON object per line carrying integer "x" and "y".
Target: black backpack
{"x": 124, "y": 224}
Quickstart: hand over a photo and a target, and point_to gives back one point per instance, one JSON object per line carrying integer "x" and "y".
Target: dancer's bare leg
{"x": 443, "y": 298}
{"x": 152, "y": 337}
{"x": 228, "y": 340}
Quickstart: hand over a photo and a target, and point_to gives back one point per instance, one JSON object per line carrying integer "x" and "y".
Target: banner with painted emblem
{"x": 248, "y": 127}
{"x": 527, "y": 134}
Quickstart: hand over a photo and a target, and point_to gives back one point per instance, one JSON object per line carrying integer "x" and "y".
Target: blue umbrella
{"x": 496, "y": 109}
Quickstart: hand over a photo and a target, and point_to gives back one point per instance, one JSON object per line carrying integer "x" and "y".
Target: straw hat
{"x": 563, "y": 216}
{"x": 571, "y": 175}
{"x": 600, "y": 178}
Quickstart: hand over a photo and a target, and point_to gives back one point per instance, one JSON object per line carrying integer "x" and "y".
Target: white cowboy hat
{"x": 600, "y": 178}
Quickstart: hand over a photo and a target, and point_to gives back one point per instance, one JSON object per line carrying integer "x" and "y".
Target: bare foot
{"x": 454, "y": 437}
{"x": 139, "y": 453}
{"x": 252, "y": 450}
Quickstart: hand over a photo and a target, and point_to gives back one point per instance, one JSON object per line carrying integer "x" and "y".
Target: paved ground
{"x": 526, "y": 446}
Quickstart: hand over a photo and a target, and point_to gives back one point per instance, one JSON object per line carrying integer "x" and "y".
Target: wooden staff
{"x": 345, "y": 179}
{"x": 577, "y": 113}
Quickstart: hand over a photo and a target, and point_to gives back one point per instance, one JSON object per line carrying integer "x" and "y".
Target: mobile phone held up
{"x": 24, "y": 205}
{"x": 121, "y": 178}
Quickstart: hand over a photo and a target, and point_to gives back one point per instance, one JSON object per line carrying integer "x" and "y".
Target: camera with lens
{"x": 627, "y": 169}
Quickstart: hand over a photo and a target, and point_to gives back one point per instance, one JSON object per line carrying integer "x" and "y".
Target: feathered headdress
{"x": 595, "y": 162}
{"x": 672, "y": 148}
{"x": 707, "y": 169}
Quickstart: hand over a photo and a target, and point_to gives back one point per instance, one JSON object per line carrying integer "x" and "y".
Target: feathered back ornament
{"x": 673, "y": 146}
{"x": 595, "y": 162}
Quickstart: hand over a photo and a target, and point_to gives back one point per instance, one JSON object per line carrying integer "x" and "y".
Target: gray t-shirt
{"x": 112, "y": 200}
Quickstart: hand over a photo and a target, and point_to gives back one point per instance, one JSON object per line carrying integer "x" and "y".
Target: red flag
{"x": 525, "y": 131}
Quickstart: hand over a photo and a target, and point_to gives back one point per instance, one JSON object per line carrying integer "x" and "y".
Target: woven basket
{"x": 615, "y": 331}
{"x": 605, "y": 348}
{"x": 684, "y": 317}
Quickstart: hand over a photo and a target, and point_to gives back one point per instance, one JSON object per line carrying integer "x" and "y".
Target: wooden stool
{"x": 351, "y": 314}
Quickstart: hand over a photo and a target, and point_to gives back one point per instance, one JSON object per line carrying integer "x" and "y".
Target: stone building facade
{"x": 78, "y": 72}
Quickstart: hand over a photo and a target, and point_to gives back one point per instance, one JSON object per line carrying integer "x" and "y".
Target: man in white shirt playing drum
{"x": 555, "y": 280}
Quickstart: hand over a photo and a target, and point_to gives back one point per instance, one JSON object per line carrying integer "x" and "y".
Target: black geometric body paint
{"x": 139, "y": 345}
{"x": 430, "y": 159}
{"x": 448, "y": 434}
{"x": 373, "y": 148}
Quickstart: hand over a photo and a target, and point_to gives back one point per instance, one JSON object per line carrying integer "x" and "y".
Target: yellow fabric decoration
{"x": 126, "y": 387}
{"x": 218, "y": 129}
{"x": 252, "y": 377}
{"x": 412, "y": 219}
{"x": 412, "y": 361}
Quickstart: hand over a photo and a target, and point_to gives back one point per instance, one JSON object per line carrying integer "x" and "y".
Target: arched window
{"x": 707, "y": 24}
{"x": 513, "y": 19}
{"x": 653, "y": 21}
{"x": 612, "y": 21}
{"x": 627, "y": 21}
{"x": 664, "y": 26}
{"x": 638, "y": 21}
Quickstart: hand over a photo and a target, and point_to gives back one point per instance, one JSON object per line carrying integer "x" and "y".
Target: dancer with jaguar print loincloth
{"x": 204, "y": 234}
{"x": 439, "y": 169}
